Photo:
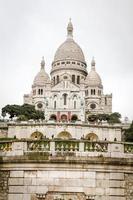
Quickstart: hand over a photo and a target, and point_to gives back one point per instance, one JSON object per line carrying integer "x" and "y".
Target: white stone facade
{"x": 72, "y": 91}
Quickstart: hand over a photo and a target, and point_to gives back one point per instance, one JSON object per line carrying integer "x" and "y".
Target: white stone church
{"x": 72, "y": 92}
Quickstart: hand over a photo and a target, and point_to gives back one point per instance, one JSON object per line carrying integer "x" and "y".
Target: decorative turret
{"x": 42, "y": 77}
{"x": 93, "y": 78}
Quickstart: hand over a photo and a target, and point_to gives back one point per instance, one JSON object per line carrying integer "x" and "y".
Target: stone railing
{"x": 128, "y": 148}
{"x": 5, "y": 146}
{"x": 95, "y": 146}
{"x": 38, "y": 146}
{"x": 80, "y": 147}
{"x": 66, "y": 146}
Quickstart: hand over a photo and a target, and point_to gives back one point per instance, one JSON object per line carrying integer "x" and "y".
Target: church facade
{"x": 72, "y": 91}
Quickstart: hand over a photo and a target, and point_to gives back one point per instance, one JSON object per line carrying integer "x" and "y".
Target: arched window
{"x": 54, "y": 80}
{"x": 65, "y": 99}
{"x": 73, "y": 78}
{"x": 57, "y": 79}
{"x": 105, "y": 100}
{"x": 78, "y": 79}
{"x": 54, "y": 104}
{"x": 74, "y": 104}
{"x": 93, "y": 91}
{"x": 41, "y": 91}
{"x": 53, "y": 117}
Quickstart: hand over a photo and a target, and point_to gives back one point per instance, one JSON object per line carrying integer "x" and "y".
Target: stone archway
{"x": 64, "y": 135}
{"x": 64, "y": 118}
{"x": 74, "y": 118}
{"x": 36, "y": 135}
{"x": 92, "y": 137}
{"x": 53, "y": 117}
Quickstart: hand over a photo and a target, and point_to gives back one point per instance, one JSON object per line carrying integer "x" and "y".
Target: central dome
{"x": 69, "y": 50}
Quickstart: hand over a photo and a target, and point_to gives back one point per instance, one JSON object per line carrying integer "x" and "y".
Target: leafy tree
{"x": 129, "y": 133}
{"x": 114, "y": 118}
{"x": 24, "y": 112}
{"x": 12, "y": 110}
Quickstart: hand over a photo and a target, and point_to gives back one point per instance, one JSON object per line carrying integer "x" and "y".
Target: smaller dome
{"x": 42, "y": 77}
{"x": 93, "y": 78}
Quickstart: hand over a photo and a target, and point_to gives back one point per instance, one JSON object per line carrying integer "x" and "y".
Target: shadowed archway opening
{"x": 36, "y": 135}
{"x": 64, "y": 118}
{"x": 53, "y": 117}
{"x": 64, "y": 135}
{"x": 92, "y": 137}
{"x": 74, "y": 118}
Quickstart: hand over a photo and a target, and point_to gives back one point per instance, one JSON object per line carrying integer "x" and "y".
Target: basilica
{"x": 65, "y": 156}
{"x": 71, "y": 92}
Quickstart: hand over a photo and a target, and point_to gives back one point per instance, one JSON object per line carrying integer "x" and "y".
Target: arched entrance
{"x": 74, "y": 118}
{"x": 64, "y": 118}
{"x": 36, "y": 135}
{"x": 53, "y": 117}
{"x": 64, "y": 135}
{"x": 92, "y": 137}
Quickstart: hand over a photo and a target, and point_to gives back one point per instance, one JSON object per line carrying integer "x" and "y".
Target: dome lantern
{"x": 70, "y": 30}
{"x": 42, "y": 63}
{"x": 93, "y": 64}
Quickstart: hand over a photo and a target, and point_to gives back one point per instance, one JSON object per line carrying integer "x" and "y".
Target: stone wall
{"x": 78, "y": 131}
{"x": 129, "y": 186}
{"x": 63, "y": 181}
{"x": 4, "y": 177}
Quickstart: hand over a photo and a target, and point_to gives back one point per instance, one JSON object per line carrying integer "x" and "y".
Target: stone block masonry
{"x": 4, "y": 176}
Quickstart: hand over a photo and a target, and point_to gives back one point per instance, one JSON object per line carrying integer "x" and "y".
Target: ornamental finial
{"x": 93, "y": 63}
{"x": 42, "y": 63}
{"x": 70, "y": 29}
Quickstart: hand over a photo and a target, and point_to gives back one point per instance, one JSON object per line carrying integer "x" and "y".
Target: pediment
{"x": 65, "y": 85}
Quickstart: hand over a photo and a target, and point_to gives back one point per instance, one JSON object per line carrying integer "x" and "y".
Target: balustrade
{"x": 5, "y": 146}
{"x": 38, "y": 146}
{"x": 67, "y": 146}
{"x": 128, "y": 148}
{"x": 96, "y": 146}
{"x": 22, "y": 146}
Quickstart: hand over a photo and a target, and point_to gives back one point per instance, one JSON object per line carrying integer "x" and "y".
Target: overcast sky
{"x": 30, "y": 29}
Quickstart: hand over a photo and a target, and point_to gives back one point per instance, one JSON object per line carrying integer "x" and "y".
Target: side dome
{"x": 42, "y": 77}
{"x": 93, "y": 78}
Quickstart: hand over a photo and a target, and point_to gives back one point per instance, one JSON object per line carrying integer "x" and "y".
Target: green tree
{"x": 129, "y": 133}
{"x": 24, "y": 112}
{"x": 12, "y": 110}
{"x": 114, "y": 118}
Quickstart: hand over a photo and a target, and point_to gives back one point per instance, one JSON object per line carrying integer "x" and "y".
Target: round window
{"x": 39, "y": 105}
{"x": 93, "y": 106}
